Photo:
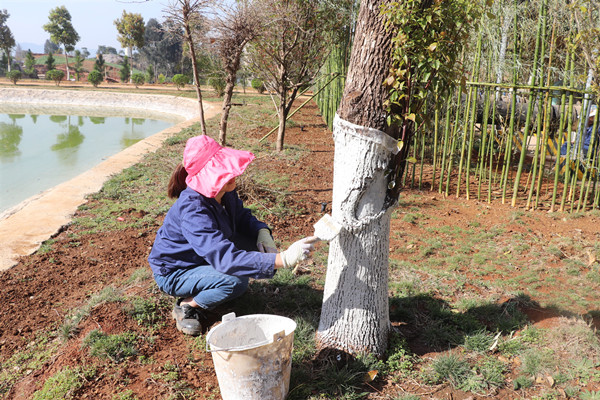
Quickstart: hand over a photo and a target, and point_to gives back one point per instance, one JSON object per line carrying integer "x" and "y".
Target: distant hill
{"x": 35, "y": 48}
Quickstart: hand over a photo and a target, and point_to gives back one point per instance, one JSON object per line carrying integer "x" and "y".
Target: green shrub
{"x": 143, "y": 311}
{"x": 162, "y": 78}
{"x": 55, "y": 75}
{"x": 61, "y": 385}
{"x": 14, "y": 76}
{"x": 95, "y": 78}
{"x": 258, "y": 85}
{"x": 114, "y": 347}
{"x": 179, "y": 80}
{"x": 218, "y": 84}
{"x": 138, "y": 79}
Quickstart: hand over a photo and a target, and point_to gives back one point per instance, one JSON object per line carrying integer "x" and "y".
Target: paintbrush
{"x": 326, "y": 229}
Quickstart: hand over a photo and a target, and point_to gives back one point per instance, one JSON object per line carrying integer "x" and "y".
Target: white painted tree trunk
{"x": 355, "y": 308}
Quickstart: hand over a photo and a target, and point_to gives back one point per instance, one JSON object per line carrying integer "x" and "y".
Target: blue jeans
{"x": 208, "y": 286}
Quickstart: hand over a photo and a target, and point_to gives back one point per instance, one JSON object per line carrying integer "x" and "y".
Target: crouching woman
{"x": 210, "y": 245}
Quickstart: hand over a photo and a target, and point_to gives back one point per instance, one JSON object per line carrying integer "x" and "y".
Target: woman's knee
{"x": 239, "y": 286}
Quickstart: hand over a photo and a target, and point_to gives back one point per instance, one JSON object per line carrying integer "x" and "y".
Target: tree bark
{"x": 190, "y": 40}
{"x": 225, "y": 110}
{"x": 67, "y": 64}
{"x": 230, "y": 79}
{"x": 282, "y": 113}
{"x": 355, "y": 311}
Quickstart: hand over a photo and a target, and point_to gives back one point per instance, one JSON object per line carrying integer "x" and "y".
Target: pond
{"x": 39, "y": 151}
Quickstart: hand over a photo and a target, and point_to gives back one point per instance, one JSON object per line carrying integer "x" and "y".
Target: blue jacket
{"x": 199, "y": 231}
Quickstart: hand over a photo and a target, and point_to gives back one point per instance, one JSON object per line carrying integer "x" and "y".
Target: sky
{"x": 92, "y": 19}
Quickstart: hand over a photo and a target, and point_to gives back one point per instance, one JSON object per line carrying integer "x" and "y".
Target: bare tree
{"x": 234, "y": 27}
{"x": 184, "y": 19}
{"x": 293, "y": 44}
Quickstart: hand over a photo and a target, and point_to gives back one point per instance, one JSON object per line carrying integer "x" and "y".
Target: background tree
{"x": 99, "y": 64}
{"x": 61, "y": 31}
{"x": 95, "y": 77}
{"x": 107, "y": 50}
{"x": 234, "y": 28}
{"x": 55, "y": 75}
{"x": 138, "y": 79}
{"x": 7, "y": 40}
{"x": 29, "y": 65}
{"x": 85, "y": 53}
{"x": 19, "y": 53}
{"x": 50, "y": 62}
{"x": 162, "y": 51}
{"x": 14, "y": 76}
{"x": 50, "y": 47}
{"x": 78, "y": 64}
{"x": 3, "y": 63}
{"x": 180, "y": 80}
{"x": 150, "y": 74}
{"x": 389, "y": 74}
{"x": 185, "y": 19}
{"x": 125, "y": 72}
{"x": 131, "y": 30}
{"x": 290, "y": 49}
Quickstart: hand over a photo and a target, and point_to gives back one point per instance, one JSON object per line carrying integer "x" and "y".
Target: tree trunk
{"x": 226, "y": 107}
{"x": 355, "y": 311}
{"x": 190, "y": 40}
{"x": 282, "y": 114}
{"x": 231, "y": 70}
{"x": 67, "y": 64}
{"x": 130, "y": 55}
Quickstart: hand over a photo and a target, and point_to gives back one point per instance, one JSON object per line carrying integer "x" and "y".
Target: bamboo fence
{"x": 503, "y": 141}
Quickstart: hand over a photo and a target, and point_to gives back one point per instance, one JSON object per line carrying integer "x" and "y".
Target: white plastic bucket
{"x": 252, "y": 355}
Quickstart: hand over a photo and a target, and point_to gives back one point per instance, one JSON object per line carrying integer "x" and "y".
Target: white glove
{"x": 265, "y": 242}
{"x": 298, "y": 251}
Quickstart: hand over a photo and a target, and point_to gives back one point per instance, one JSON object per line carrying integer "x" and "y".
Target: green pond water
{"x": 38, "y": 152}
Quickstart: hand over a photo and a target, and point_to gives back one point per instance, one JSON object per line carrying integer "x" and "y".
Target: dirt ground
{"x": 40, "y": 292}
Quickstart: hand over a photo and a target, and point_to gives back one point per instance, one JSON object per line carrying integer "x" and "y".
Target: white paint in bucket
{"x": 252, "y": 355}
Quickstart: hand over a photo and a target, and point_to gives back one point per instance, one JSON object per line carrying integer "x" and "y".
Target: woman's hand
{"x": 296, "y": 252}
{"x": 265, "y": 242}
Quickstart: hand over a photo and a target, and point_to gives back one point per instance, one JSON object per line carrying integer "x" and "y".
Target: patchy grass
{"x": 456, "y": 296}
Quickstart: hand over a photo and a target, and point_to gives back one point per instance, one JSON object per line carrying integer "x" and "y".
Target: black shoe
{"x": 188, "y": 319}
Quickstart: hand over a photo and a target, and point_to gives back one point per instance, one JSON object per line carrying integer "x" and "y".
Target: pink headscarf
{"x": 210, "y": 166}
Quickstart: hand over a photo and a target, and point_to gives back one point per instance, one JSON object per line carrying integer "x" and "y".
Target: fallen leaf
{"x": 591, "y": 258}
{"x": 371, "y": 375}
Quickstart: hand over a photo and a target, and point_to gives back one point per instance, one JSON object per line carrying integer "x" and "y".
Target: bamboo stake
{"x": 446, "y": 138}
{"x": 506, "y": 166}
{"x": 436, "y": 125}
{"x": 484, "y": 139}
{"x": 453, "y": 144}
{"x": 470, "y": 122}
{"x": 560, "y": 136}
{"x": 532, "y": 95}
{"x": 547, "y": 110}
{"x": 589, "y": 161}
{"x": 567, "y": 176}
{"x": 464, "y": 140}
